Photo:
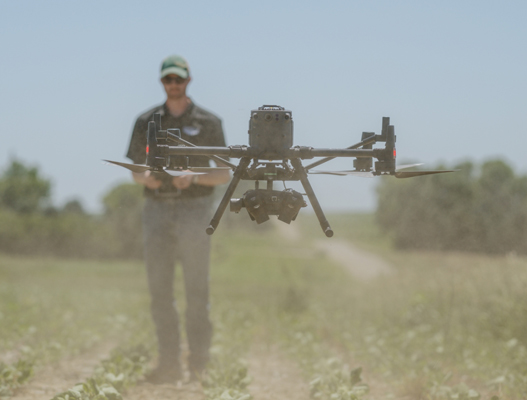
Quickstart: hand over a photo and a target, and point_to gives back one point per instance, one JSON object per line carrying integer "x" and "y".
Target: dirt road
{"x": 359, "y": 263}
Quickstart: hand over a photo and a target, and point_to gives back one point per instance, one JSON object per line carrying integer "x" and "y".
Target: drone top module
{"x": 269, "y": 157}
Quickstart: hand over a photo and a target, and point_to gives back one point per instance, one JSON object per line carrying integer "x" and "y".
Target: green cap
{"x": 175, "y": 65}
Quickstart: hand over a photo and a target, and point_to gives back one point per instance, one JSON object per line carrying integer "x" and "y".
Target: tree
{"x": 122, "y": 211}
{"x": 485, "y": 212}
{"x": 22, "y": 189}
{"x": 73, "y": 207}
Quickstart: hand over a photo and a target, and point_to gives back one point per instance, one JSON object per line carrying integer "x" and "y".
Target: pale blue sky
{"x": 450, "y": 74}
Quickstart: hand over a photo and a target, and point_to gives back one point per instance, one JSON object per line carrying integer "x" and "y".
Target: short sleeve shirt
{"x": 197, "y": 125}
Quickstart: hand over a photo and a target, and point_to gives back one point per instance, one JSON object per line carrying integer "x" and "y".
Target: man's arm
{"x": 212, "y": 178}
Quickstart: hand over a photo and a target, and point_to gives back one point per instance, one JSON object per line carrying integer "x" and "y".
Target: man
{"x": 176, "y": 214}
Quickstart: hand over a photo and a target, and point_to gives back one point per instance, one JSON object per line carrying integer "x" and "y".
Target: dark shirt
{"x": 198, "y": 126}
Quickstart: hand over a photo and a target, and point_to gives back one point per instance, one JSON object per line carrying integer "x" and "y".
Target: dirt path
{"x": 58, "y": 377}
{"x": 359, "y": 263}
{"x": 274, "y": 376}
{"x": 180, "y": 391}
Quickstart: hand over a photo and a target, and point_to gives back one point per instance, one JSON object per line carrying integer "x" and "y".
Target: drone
{"x": 270, "y": 157}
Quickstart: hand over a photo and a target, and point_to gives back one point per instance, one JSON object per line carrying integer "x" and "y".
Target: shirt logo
{"x": 191, "y": 130}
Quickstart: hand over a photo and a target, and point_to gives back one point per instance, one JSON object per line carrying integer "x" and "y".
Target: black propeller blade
{"x": 138, "y": 168}
{"x": 411, "y": 174}
{"x": 362, "y": 174}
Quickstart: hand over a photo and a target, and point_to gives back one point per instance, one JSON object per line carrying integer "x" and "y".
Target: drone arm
{"x": 244, "y": 151}
{"x": 365, "y": 142}
{"x": 244, "y": 163}
{"x": 300, "y": 170}
{"x": 176, "y": 138}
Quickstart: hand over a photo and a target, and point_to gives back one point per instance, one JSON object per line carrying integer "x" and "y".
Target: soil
{"x": 274, "y": 376}
{"x": 63, "y": 375}
{"x": 361, "y": 264}
{"x": 179, "y": 391}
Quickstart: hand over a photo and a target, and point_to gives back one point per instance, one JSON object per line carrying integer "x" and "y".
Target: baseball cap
{"x": 175, "y": 65}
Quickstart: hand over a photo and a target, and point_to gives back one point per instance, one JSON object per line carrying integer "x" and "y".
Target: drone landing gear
{"x": 260, "y": 203}
{"x": 236, "y": 176}
{"x": 302, "y": 174}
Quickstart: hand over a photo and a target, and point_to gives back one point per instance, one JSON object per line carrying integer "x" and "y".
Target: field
{"x": 291, "y": 321}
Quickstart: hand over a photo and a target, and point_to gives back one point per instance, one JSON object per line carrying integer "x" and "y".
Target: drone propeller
{"x": 362, "y": 174}
{"x": 398, "y": 172}
{"x": 138, "y": 168}
{"x": 182, "y": 173}
{"x": 411, "y": 174}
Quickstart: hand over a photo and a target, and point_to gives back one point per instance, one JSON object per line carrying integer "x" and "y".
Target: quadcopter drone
{"x": 269, "y": 157}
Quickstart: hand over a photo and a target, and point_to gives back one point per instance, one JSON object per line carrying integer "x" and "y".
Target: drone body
{"x": 269, "y": 157}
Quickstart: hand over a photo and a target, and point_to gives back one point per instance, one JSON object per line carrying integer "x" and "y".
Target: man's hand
{"x": 182, "y": 182}
{"x": 212, "y": 178}
{"x": 148, "y": 179}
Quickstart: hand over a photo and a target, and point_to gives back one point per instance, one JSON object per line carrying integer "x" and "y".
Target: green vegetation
{"x": 14, "y": 375}
{"x": 441, "y": 326}
{"x": 50, "y": 309}
{"x": 475, "y": 209}
{"x": 31, "y": 225}
{"x": 479, "y": 211}
{"x": 22, "y": 189}
{"x": 112, "y": 377}
{"x": 227, "y": 376}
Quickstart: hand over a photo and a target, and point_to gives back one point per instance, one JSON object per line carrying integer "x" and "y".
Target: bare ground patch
{"x": 275, "y": 376}
{"x": 62, "y": 375}
{"x": 361, "y": 264}
{"x": 179, "y": 391}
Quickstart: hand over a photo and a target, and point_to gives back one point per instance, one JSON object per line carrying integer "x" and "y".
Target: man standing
{"x": 176, "y": 214}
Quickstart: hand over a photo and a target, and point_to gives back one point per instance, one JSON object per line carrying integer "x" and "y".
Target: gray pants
{"x": 174, "y": 230}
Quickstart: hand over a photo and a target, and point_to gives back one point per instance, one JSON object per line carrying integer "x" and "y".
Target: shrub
{"x": 485, "y": 212}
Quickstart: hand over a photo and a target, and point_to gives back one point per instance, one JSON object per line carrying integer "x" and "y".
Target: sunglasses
{"x": 177, "y": 79}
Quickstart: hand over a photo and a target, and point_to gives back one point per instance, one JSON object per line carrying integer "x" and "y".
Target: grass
{"x": 443, "y": 326}
{"x": 42, "y": 300}
{"x": 360, "y": 228}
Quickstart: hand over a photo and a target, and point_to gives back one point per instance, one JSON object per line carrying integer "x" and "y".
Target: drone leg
{"x": 302, "y": 174}
{"x": 244, "y": 162}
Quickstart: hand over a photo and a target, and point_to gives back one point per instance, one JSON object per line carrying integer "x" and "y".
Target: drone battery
{"x": 271, "y": 132}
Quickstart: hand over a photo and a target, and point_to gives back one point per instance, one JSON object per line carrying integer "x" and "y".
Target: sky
{"x": 451, "y": 75}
